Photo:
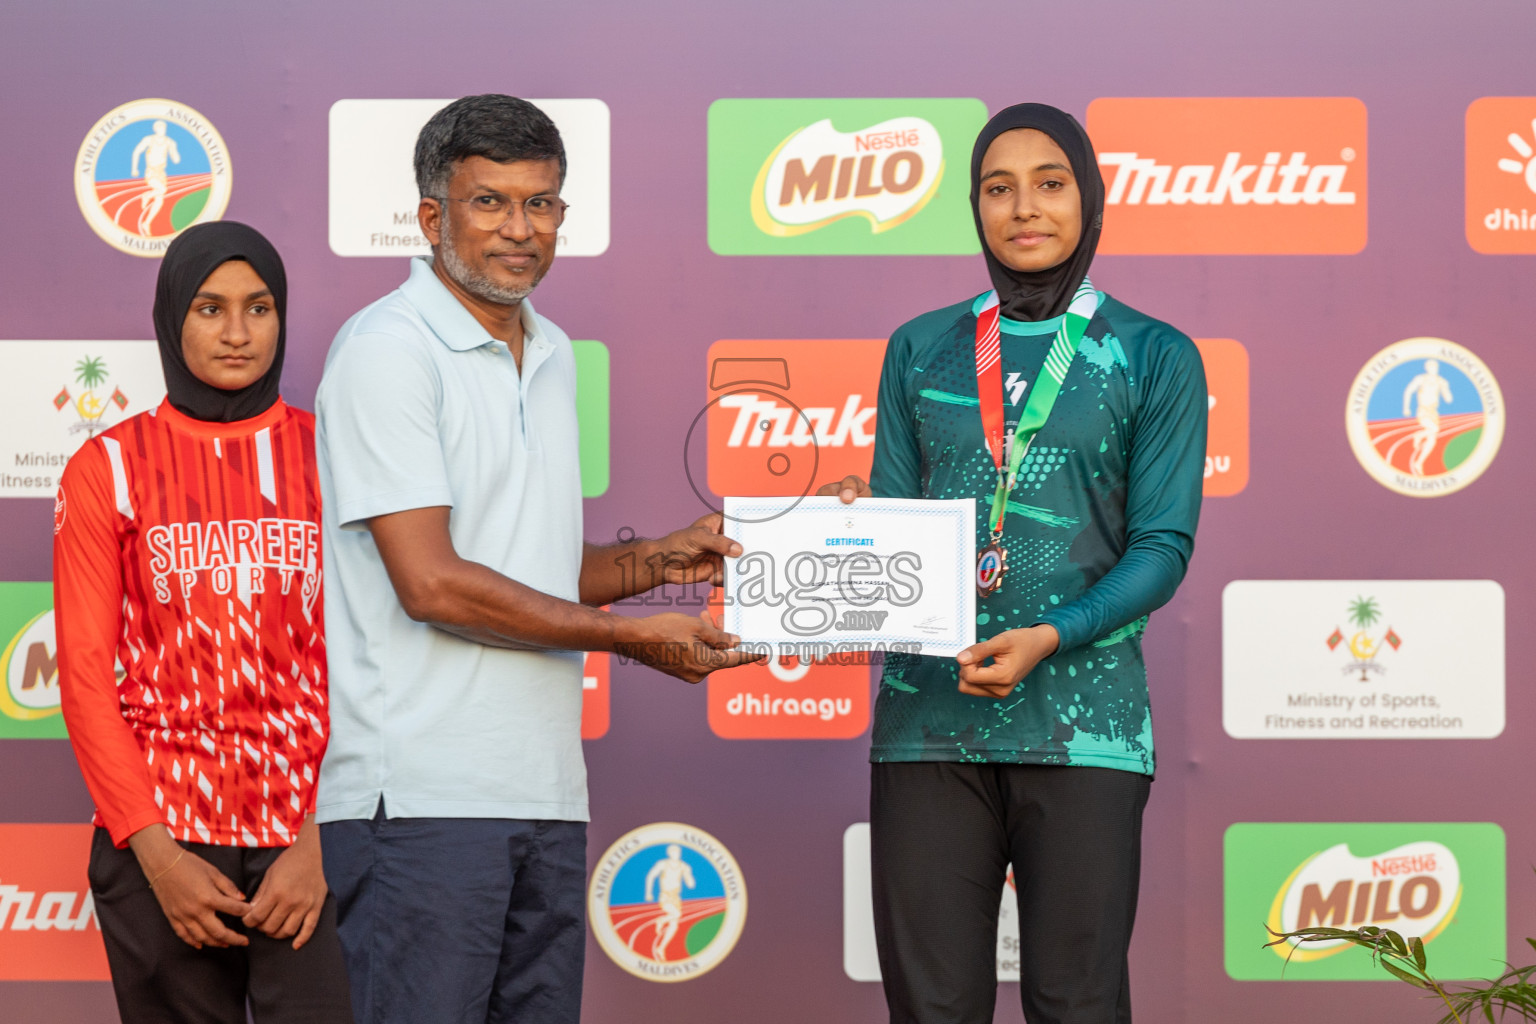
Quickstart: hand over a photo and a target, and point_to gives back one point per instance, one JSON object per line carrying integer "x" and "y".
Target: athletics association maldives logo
{"x": 1425, "y": 417}
{"x": 667, "y": 902}
{"x": 148, "y": 170}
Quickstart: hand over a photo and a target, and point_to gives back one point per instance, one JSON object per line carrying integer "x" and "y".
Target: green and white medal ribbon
{"x": 992, "y": 562}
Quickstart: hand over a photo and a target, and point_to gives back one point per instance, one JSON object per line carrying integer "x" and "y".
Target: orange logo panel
{"x": 786, "y": 699}
{"x": 1231, "y": 175}
{"x": 48, "y": 926}
{"x": 785, "y": 417}
{"x": 1501, "y": 174}
{"x": 1226, "y": 448}
{"x": 594, "y": 694}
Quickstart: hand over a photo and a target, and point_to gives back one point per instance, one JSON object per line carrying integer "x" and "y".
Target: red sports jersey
{"x": 189, "y": 552}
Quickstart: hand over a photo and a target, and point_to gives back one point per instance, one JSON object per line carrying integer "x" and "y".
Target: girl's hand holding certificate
{"x": 993, "y": 667}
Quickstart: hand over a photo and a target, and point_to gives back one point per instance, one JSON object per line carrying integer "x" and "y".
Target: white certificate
{"x": 818, "y": 577}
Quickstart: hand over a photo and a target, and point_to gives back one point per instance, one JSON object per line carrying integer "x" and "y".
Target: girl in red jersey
{"x": 187, "y": 549}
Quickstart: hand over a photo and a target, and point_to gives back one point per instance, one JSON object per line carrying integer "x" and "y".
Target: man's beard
{"x": 475, "y": 282}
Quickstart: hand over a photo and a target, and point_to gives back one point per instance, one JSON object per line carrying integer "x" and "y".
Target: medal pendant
{"x": 990, "y": 566}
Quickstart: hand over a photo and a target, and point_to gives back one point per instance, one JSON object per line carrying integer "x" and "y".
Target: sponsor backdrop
{"x": 1337, "y": 201}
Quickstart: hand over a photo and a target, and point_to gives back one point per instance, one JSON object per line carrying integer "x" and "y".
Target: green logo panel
{"x": 592, "y": 415}
{"x": 29, "y": 675}
{"x": 842, "y": 177}
{"x": 1442, "y": 882}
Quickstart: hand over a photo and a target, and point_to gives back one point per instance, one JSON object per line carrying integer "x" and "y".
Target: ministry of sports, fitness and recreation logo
{"x": 1425, "y": 417}
{"x": 667, "y": 902}
{"x": 1364, "y": 648}
{"x": 63, "y": 393}
{"x": 89, "y": 405}
{"x": 841, "y": 176}
{"x": 1363, "y": 659}
{"x": 148, "y": 170}
{"x": 861, "y": 961}
{"x": 373, "y": 194}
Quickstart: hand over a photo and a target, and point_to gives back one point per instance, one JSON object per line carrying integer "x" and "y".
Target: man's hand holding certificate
{"x": 818, "y": 576}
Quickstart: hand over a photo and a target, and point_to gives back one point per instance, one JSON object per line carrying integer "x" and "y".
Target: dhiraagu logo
{"x": 1443, "y": 883}
{"x": 29, "y": 666}
{"x": 842, "y": 177}
{"x": 592, "y": 415}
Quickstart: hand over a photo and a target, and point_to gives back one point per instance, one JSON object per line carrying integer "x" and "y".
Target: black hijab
{"x": 191, "y": 257}
{"x": 1043, "y": 294}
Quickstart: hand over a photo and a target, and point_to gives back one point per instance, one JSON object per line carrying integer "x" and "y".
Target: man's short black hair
{"x": 497, "y": 127}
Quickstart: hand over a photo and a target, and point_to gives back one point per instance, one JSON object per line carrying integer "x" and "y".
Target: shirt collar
{"x": 454, "y": 325}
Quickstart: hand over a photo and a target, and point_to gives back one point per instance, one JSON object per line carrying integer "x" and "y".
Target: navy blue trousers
{"x": 460, "y": 920}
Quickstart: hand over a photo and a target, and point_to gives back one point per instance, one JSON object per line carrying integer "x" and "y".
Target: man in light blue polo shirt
{"x": 452, "y": 798}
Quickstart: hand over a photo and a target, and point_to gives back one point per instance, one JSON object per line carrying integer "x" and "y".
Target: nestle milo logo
{"x": 1413, "y": 888}
{"x": 1441, "y": 882}
{"x": 830, "y": 176}
{"x": 29, "y": 666}
{"x": 818, "y": 174}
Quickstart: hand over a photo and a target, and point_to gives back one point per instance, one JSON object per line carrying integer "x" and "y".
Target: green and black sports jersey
{"x": 1099, "y": 529}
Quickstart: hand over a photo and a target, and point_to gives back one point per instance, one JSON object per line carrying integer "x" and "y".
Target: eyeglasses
{"x": 488, "y": 212}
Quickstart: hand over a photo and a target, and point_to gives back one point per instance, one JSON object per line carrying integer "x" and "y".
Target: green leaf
{"x": 1417, "y": 945}
{"x": 1399, "y": 972}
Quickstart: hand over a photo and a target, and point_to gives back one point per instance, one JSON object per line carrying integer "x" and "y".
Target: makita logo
{"x": 1277, "y": 174}
{"x": 785, "y": 417}
{"x": 1134, "y": 179}
{"x": 48, "y": 925}
{"x": 762, "y": 422}
{"x": 22, "y": 911}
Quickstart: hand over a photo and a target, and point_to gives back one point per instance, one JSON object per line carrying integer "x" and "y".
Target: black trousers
{"x": 942, "y": 836}
{"x": 159, "y": 979}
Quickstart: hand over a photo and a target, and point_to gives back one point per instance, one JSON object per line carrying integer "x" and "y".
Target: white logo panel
{"x": 59, "y": 394}
{"x": 1363, "y": 659}
{"x": 861, "y": 962}
{"x": 373, "y": 197}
